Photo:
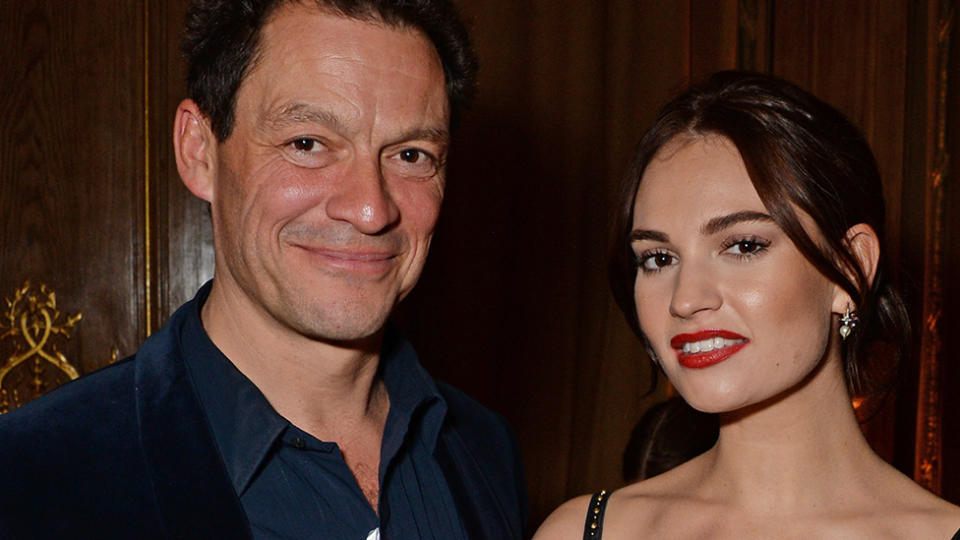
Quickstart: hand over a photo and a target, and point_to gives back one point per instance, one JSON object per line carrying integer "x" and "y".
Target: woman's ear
{"x": 864, "y": 244}
{"x": 195, "y": 147}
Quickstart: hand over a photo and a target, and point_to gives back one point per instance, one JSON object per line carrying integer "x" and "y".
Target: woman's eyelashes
{"x": 745, "y": 247}
{"x": 654, "y": 260}
{"x": 741, "y": 247}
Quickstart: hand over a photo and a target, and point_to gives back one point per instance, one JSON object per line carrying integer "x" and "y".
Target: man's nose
{"x": 695, "y": 289}
{"x": 362, "y": 198}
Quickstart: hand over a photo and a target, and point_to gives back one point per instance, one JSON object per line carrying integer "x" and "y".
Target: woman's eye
{"x": 746, "y": 247}
{"x": 654, "y": 262}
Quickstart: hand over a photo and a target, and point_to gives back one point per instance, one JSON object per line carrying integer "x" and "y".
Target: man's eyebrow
{"x": 299, "y": 113}
{"x": 434, "y": 135}
{"x": 720, "y": 223}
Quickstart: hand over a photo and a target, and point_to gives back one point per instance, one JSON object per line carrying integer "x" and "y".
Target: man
{"x": 279, "y": 403}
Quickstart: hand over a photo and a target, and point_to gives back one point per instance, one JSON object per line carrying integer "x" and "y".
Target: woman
{"x": 749, "y": 261}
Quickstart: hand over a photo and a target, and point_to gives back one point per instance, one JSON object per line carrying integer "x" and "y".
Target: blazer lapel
{"x": 194, "y": 494}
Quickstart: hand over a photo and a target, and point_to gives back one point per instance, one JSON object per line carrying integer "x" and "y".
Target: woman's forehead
{"x": 692, "y": 177}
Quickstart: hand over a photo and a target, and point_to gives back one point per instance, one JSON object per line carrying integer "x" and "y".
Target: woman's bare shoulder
{"x": 912, "y": 507}
{"x": 632, "y": 507}
{"x": 652, "y": 503}
{"x": 680, "y": 481}
{"x": 566, "y": 522}
{"x": 920, "y": 510}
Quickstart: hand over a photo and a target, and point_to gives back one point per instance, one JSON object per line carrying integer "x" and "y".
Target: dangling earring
{"x": 848, "y": 323}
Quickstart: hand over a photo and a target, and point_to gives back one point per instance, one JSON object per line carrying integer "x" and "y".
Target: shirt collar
{"x": 246, "y": 427}
{"x": 414, "y": 398}
{"x": 244, "y": 424}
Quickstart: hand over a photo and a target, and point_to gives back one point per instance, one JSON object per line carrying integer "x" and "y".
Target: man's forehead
{"x": 300, "y": 30}
{"x": 297, "y": 9}
{"x": 315, "y": 68}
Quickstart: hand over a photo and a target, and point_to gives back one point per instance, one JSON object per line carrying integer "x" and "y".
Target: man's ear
{"x": 195, "y": 147}
{"x": 863, "y": 243}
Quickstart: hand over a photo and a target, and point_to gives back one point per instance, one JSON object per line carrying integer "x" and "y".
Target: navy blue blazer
{"x": 126, "y": 452}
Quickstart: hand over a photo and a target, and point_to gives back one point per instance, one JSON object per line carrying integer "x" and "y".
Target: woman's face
{"x": 733, "y": 310}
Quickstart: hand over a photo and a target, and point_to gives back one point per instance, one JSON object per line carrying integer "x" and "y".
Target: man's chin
{"x": 349, "y": 330}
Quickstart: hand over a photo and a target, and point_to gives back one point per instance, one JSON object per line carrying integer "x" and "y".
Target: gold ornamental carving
{"x": 32, "y": 322}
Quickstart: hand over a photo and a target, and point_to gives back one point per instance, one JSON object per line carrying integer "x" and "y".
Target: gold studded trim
{"x": 593, "y": 527}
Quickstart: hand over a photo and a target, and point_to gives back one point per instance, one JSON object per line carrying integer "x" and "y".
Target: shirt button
{"x": 299, "y": 443}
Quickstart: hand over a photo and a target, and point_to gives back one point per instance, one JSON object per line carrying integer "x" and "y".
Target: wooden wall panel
{"x": 935, "y": 23}
{"x": 951, "y": 367}
{"x": 181, "y": 230}
{"x": 71, "y": 155}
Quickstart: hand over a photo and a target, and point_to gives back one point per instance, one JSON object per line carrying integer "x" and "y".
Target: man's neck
{"x": 326, "y": 389}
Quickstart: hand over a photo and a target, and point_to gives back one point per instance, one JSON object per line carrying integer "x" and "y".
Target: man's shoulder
{"x": 77, "y": 443}
{"x": 480, "y": 445}
{"x": 70, "y": 409}
{"x": 465, "y": 412}
{"x": 98, "y": 403}
{"x": 483, "y": 433}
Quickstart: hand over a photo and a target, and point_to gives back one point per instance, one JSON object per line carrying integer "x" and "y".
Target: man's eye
{"x": 412, "y": 163}
{"x": 309, "y": 152}
{"x": 304, "y": 144}
{"x": 412, "y": 155}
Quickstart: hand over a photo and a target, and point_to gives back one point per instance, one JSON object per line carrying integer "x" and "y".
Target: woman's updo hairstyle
{"x": 799, "y": 153}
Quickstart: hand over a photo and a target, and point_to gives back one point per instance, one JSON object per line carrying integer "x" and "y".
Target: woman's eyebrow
{"x": 644, "y": 234}
{"x": 720, "y": 223}
{"x": 713, "y": 226}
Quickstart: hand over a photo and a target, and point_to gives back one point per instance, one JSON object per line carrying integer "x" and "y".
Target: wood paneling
{"x": 950, "y": 376}
{"x": 71, "y": 165}
{"x": 181, "y": 232}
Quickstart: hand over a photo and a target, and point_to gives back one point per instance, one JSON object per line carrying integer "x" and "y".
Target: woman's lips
{"x": 706, "y": 347}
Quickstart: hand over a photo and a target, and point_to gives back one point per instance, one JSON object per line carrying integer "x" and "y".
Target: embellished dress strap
{"x": 593, "y": 527}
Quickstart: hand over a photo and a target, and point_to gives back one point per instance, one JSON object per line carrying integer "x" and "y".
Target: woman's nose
{"x": 695, "y": 289}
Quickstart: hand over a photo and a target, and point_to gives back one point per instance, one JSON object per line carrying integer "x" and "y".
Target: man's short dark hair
{"x": 222, "y": 38}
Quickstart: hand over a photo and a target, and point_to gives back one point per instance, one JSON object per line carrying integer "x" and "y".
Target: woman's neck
{"x": 793, "y": 451}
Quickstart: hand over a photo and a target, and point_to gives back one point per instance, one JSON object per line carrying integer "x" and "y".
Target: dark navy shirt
{"x": 293, "y": 485}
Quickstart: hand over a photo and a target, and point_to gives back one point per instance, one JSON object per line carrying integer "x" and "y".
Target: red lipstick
{"x": 698, "y": 360}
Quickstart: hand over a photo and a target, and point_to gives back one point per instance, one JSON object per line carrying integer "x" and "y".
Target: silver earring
{"x": 848, "y": 323}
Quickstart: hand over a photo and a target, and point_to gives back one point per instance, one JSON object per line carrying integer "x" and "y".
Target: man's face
{"x": 327, "y": 190}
